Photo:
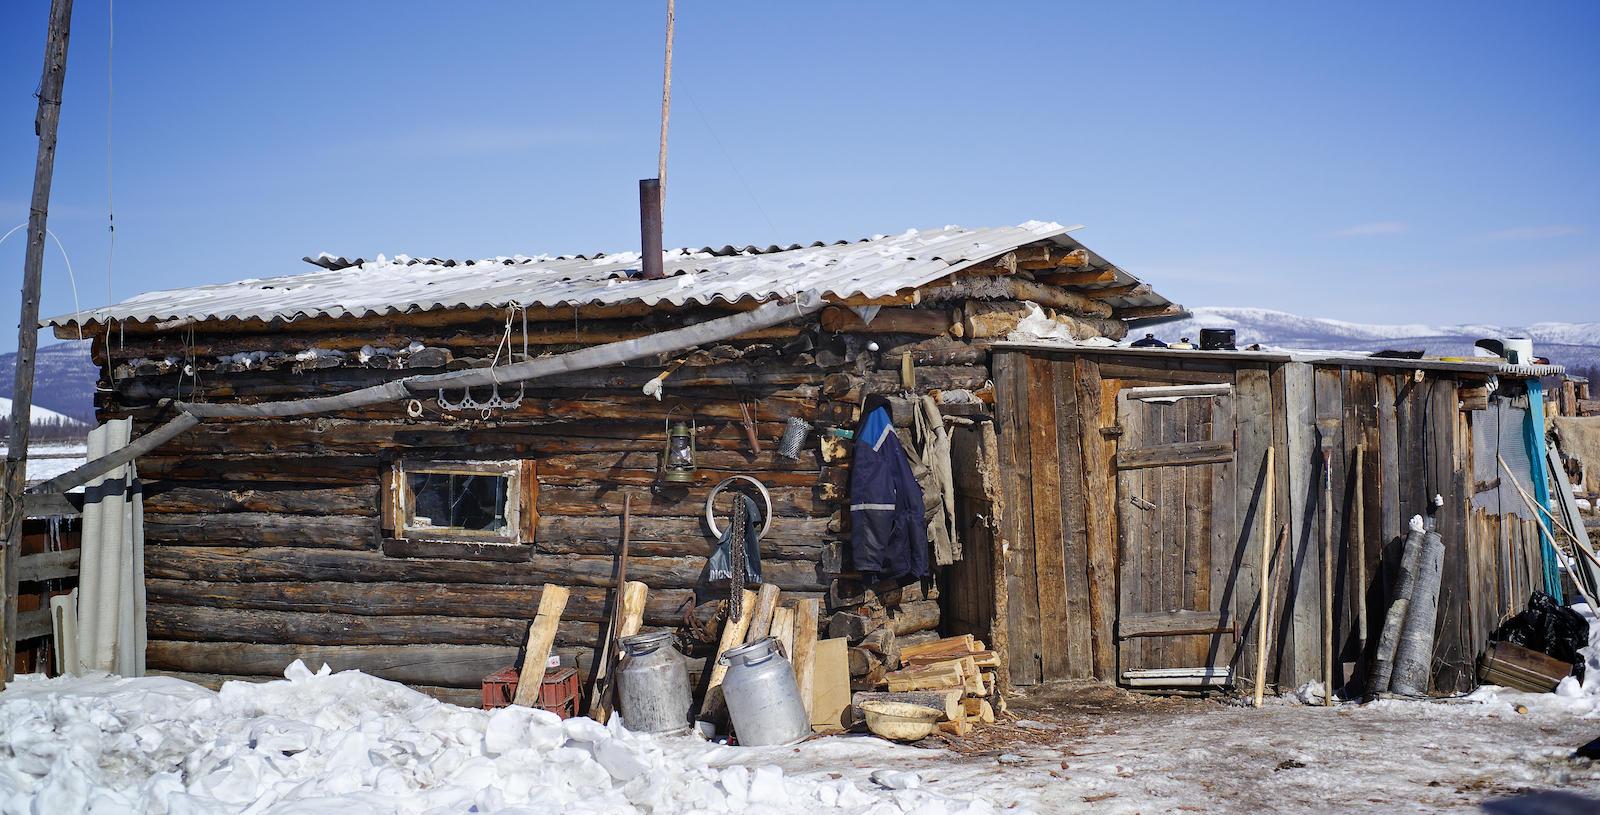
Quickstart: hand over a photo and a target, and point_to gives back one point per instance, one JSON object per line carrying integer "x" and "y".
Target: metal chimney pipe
{"x": 650, "y": 227}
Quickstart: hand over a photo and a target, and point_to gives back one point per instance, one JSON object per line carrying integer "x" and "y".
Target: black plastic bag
{"x": 1549, "y": 628}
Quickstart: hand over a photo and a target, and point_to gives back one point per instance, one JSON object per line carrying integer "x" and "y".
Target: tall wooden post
{"x": 16, "y": 470}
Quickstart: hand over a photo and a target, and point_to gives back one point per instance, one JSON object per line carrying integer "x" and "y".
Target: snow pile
{"x": 349, "y": 743}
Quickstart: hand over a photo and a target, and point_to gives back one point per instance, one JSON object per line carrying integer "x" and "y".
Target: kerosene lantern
{"x": 677, "y": 460}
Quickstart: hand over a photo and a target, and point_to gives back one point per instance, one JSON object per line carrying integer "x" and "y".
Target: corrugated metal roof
{"x": 877, "y": 267}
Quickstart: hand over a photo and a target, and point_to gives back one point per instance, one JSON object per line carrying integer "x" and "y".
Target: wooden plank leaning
{"x": 1534, "y": 506}
{"x": 1264, "y": 603}
{"x": 541, "y": 635}
{"x": 733, "y": 632}
{"x": 805, "y": 650}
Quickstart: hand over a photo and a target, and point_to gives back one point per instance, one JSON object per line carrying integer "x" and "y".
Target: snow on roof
{"x": 877, "y": 267}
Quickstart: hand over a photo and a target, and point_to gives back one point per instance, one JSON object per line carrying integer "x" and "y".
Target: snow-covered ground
{"x": 46, "y": 461}
{"x": 352, "y": 744}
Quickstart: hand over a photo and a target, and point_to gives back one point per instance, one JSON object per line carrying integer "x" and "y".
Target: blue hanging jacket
{"x": 888, "y": 531}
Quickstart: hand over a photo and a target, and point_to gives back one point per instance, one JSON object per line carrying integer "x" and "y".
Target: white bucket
{"x": 1519, "y": 350}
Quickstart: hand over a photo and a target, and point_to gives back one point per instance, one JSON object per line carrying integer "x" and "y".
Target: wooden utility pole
{"x": 666, "y": 106}
{"x": 16, "y": 471}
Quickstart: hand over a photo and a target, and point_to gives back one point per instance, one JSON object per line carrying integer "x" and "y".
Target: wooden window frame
{"x": 522, "y": 497}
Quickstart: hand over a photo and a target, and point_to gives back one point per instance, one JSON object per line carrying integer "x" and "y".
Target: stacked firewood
{"x": 957, "y": 675}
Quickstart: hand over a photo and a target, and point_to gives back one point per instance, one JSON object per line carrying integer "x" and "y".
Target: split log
{"x": 541, "y": 635}
{"x": 310, "y": 565}
{"x": 761, "y": 620}
{"x": 865, "y": 663}
{"x": 783, "y": 630}
{"x": 733, "y": 632}
{"x": 909, "y": 618}
{"x": 882, "y": 642}
{"x": 961, "y": 644}
{"x": 664, "y": 607}
{"x": 635, "y": 599}
{"x": 853, "y": 627}
{"x": 805, "y": 650}
{"x": 978, "y": 709}
{"x": 943, "y": 674}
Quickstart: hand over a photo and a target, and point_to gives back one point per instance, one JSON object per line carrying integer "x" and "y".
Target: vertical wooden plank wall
{"x": 1298, "y": 472}
{"x": 1098, "y": 407}
{"x": 1254, "y": 434}
{"x": 1051, "y": 614}
{"x": 1016, "y": 466}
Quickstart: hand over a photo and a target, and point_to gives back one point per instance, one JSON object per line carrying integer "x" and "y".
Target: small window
{"x": 461, "y": 501}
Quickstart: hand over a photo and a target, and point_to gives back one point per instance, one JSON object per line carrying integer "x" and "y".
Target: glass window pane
{"x": 471, "y": 501}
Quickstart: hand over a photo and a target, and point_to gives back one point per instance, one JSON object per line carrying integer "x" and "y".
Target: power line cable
{"x": 735, "y": 167}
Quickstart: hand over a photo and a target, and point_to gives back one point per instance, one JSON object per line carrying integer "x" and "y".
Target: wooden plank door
{"x": 1173, "y": 460}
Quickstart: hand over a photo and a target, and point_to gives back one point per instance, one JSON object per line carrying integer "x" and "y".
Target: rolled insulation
{"x": 1410, "y": 559}
{"x": 1414, "y": 656}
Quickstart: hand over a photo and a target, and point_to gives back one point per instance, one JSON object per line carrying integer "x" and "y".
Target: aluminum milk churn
{"x": 762, "y": 696}
{"x": 653, "y": 685}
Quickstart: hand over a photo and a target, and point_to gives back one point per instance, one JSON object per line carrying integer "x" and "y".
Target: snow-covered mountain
{"x": 63, "y": 380}
{"x": 39, "y": 415}
{"x": 1572, "y": 344}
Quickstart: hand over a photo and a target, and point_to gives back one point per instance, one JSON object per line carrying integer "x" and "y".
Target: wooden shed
{"x": 347, "y": 410}
{"x": 1133, "y": 506}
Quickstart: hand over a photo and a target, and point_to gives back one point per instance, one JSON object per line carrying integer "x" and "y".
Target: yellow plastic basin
{"x": 900, "y": 721}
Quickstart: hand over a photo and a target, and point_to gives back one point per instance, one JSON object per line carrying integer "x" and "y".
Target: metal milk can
{"x": 762, "y": 696}
{"x": 653, "y": 685}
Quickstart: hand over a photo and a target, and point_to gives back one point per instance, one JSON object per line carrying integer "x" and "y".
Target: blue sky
{"x": 1371, "y": 162}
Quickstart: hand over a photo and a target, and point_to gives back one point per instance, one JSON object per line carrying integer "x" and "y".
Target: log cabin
{"x": 1108, "y": 501}
{"x": 299, "y": 521}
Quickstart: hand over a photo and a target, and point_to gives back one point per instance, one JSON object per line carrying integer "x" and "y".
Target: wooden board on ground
{"x": 830, "y": 696}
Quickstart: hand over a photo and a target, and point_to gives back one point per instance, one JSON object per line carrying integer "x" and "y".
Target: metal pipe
{"x": 650, "y": 228}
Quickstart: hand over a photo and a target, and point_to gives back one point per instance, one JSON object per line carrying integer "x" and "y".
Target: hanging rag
{"x": 888, "y": 527}
{"x": 933, "y": 452}
{"x": 723, "y": 559}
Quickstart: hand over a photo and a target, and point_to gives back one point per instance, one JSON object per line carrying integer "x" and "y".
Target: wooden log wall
{"x": 1416, "y": 434}
{"x": 266, "y": 539}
